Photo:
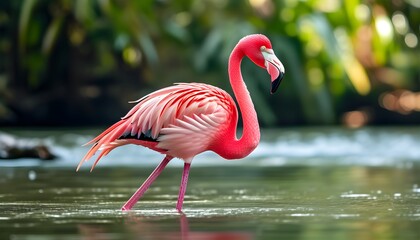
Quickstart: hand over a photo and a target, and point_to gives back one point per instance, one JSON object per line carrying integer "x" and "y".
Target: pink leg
{"x": 183, "y": 186}
{"x": 185, "y": 230}
{"x": 137, "y": 195}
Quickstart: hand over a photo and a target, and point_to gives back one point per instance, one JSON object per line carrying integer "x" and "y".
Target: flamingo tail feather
{"x": 105, "y": 142}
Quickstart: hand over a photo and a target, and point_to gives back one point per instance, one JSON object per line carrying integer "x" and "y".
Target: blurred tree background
{"x": 78, "y": 62}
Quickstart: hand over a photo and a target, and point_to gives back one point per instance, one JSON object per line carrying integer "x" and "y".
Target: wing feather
{"x": 191, "y": 135}
{"x": 183, "y": 120}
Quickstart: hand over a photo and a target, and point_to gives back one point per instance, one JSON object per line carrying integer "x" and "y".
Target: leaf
{"x": 148, "y": 48}
{"x": 52, "y": 34}
{"x": 83, "y": 11}
{"x": 209, "y": 47}
{"x": 24, "y": 20}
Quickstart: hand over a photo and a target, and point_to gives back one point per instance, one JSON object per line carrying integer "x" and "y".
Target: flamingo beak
{"x": 274, "y": 67}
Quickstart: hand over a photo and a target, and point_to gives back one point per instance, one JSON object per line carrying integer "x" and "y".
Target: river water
{"x": 306, "y": 183}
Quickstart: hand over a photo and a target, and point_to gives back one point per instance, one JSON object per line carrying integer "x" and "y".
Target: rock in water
{"x": 12, "y": 147}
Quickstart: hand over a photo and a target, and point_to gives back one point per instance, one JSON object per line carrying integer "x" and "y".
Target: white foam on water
{"x": 278, "y": 147}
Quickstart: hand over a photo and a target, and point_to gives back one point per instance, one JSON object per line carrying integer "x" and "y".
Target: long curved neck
{"x": 239, "y": 148}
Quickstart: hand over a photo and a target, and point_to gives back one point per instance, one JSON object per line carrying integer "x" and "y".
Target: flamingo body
{"x": 187, "y": 119}
{"x": 181, "y": 121}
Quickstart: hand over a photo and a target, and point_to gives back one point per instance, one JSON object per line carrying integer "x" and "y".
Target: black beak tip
{"x": 276, "y": 83}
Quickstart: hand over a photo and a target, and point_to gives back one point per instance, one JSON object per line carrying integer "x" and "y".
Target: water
{"x": 310, "y": 183}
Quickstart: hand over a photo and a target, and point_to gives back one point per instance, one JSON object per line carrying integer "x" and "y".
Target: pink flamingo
{"x": 189, "y": 118}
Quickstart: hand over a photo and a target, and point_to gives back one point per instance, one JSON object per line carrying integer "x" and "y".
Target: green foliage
{"x": 339, "y": 56}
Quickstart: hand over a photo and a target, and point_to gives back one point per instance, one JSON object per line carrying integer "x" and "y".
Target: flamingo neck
{"x": 235, "y": 148}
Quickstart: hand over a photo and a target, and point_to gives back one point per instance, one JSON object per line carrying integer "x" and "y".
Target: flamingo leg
{"x": 183, "y": 187}
{"x": 142, "y": 189}
{"x": 185, "y": 229}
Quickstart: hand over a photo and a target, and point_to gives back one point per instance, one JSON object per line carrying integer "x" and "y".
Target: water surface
{"x": 326, "y": 183}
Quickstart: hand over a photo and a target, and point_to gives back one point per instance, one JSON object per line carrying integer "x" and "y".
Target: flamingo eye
{"x": 263, "y": 49}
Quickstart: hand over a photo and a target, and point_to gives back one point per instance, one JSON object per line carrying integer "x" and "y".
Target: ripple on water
{"x": 355, "y": 195}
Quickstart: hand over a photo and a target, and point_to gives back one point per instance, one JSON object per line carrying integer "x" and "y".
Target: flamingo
{"x": 186, "y": 119}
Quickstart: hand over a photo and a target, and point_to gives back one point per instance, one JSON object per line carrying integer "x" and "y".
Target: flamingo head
{"x": 258, "y": 48}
